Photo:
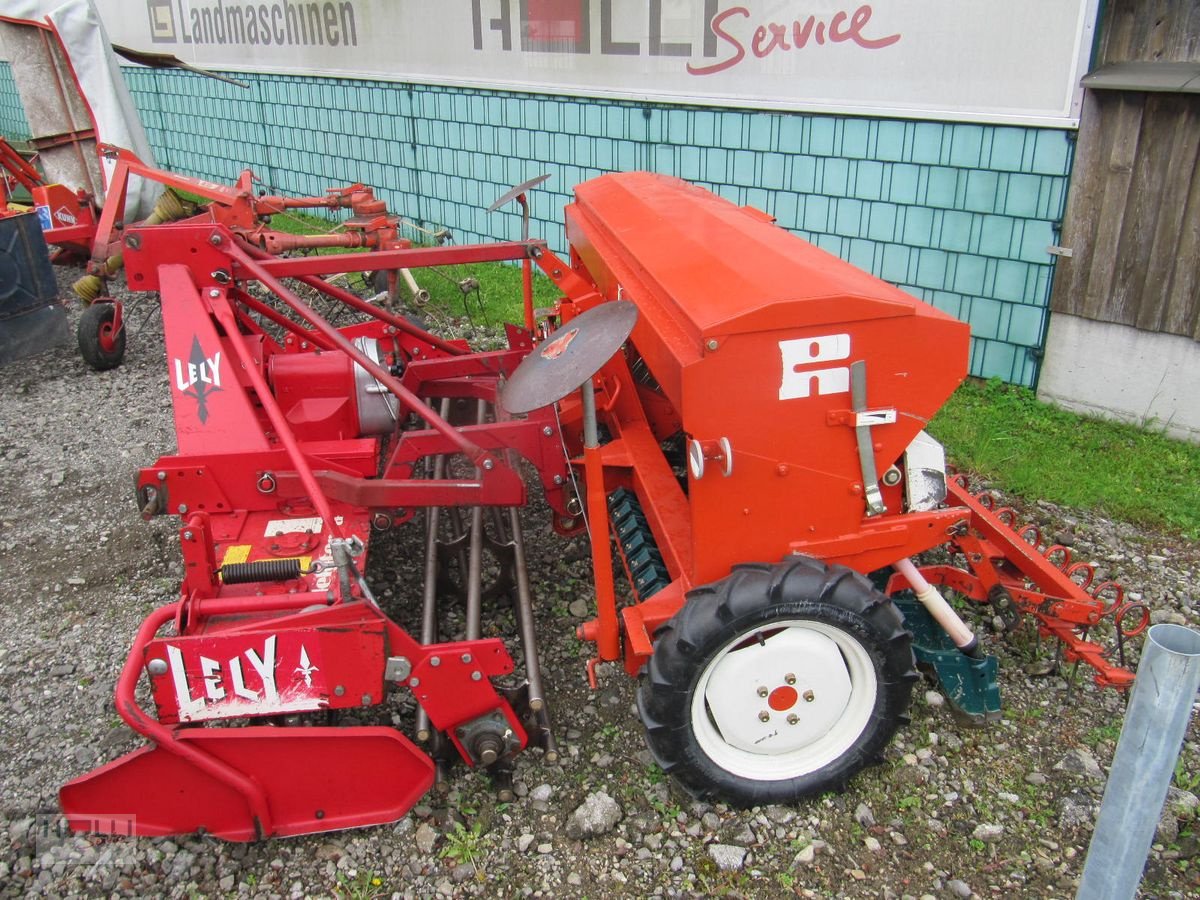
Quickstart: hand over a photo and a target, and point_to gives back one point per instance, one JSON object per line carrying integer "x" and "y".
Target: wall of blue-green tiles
{"x": 957, "y": 214}
{"x": 12, "y": 116}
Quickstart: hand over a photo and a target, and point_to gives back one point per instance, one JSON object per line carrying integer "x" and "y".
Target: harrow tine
{"x": 502, "y": 783}
{"x": 1063, "y": 553}
{"x": 1071, "y": 680}
{"x": 429, "y": 629}
{"x": 1087, "y": 569}
{"x": 1028, "y": 531}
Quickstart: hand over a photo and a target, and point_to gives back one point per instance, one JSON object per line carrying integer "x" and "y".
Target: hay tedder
{"x": 734, "y": 415}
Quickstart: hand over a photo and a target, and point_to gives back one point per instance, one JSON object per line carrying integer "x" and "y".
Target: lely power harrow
{"x": 736, "y": 417}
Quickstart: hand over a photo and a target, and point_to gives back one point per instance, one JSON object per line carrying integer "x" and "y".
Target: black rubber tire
{"x": 97, "y": 351}
{"x": 740, "y": 606}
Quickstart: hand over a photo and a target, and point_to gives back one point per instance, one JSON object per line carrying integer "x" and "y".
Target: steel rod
{"x": 384, "y": 377}
{"x": 429, "y": 629}
{"x": 355, "y": 302}
{"x": 524, "y": 611}
{"x": 475, "y": 562}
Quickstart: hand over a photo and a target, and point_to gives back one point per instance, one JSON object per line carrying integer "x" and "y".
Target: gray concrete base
{"x": 1150, "y": 380}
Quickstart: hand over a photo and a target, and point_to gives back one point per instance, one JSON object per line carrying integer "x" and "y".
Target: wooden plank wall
{"x": 1133, "y": 217}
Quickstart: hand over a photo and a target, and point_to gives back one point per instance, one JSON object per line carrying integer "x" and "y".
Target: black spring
{"x": 262, "y": 570}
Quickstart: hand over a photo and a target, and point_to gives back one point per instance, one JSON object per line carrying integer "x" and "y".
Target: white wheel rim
{"x": 784, "y": 700}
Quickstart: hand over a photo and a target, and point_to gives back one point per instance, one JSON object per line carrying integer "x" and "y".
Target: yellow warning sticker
{"x": 238, "y": 553}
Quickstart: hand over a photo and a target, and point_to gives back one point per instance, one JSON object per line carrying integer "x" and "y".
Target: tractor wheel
{"x": 776, "y": 682}
{"x": 100, "y": 345}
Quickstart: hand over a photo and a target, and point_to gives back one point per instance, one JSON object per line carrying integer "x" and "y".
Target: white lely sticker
{"x": 798, "y": 380}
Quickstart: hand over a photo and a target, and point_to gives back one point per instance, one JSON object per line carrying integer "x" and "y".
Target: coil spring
{"x": 262, "y": 570}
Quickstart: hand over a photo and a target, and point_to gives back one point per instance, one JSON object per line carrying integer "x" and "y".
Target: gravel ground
{"x": 952, "y": 812}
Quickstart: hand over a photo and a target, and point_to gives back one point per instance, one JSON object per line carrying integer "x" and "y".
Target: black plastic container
{"x": 31, "y": 317}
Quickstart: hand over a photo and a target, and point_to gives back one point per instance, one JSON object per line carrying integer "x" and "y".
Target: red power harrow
{"x": 729, "y": 461}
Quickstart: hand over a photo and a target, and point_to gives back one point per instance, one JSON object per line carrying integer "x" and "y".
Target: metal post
{"x": 1155, "y": 724}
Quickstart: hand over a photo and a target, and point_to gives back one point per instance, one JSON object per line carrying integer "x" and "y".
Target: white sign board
{"x": 1007, "y": 61}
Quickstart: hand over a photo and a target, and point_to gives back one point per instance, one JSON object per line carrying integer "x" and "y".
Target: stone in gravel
{"x": 545, "y": 848}
{"x": 1184, "y": 804}
{"x": 577, "y": 608}
{"x": 1076, "y": 811}
{"x": 1080, "y": 761}
{"x": 1036, "y": 778}
{"x": 61, "y": 669}
{"x": 987, "y": 832}
{"x": 911, "y": 775}
{"x": 598, "y": 814}
{"x": 864, "y": 816}
{"x": 711, "y": 821}
{"x": 461, "y": 873}
{"x": 872, "y": 844}
{"x": 806, "y": 855}
{"x": 727, "y": 857}
{"x": 780, "y": 815}
{"x": 676, "y": 863}
{"x": 934, "y": 699}
{"x": 575, "y": 879}
{"x": 524, "y": 842}
{"x": 226, "y": 883}
{"x": 745, "y": 836}
{"x": 1167, "y": 617}
{"x": 330, "y": 850}
{"x": 542, "y": 792}
{"x": 959, "y": 888}
{"x": 425, "y": 838}
{"x": 182, "y": 865}
{"x": 1167, "y": 829}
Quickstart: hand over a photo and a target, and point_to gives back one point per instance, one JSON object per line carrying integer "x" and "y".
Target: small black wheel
{"x": 777, "y": 682}
{"x": 100, "y": 344}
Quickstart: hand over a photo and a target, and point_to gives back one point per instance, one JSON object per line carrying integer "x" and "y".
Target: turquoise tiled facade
{"x": 957, "y": 214}
{"x": 12, "y": 117}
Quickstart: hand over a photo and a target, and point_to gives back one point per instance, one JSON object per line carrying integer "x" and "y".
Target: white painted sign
{"x": 1017, "y": 61}
{"x": 799, "y": 355}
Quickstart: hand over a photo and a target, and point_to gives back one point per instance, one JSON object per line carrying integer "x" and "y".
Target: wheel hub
{"x": 779, "y": 693}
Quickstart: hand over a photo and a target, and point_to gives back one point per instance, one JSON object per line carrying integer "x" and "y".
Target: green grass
{"x": 1041, "y": 452}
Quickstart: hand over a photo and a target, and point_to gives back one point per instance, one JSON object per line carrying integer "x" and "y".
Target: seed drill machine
{"x": 737, "y": 419}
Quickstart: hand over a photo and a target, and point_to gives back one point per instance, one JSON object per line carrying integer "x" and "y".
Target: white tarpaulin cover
{"x": 89, "y": 50}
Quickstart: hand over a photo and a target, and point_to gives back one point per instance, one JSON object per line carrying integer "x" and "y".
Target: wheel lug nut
{"x": 789, "y": 678}
{"x": 762, "y": 692}
{"x": 793, "y": 719}
{"x": 764, "y": 716}
{"x": 809, "y": 696}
